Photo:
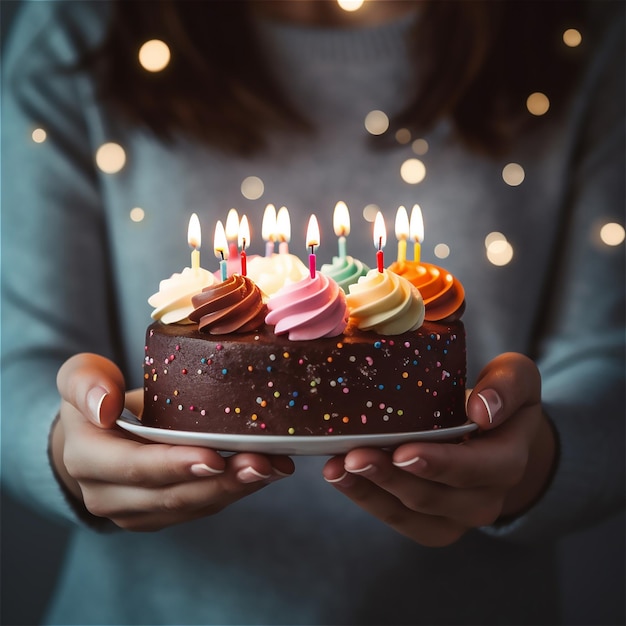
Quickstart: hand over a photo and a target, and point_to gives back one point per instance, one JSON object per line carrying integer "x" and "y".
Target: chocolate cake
{"x": 258, "y": 382}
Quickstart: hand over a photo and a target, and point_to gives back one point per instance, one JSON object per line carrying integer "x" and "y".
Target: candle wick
{"x": 222, "y": 253}
{"x": 380, "y": 243}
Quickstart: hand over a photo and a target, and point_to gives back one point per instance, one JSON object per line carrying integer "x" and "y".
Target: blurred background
{"x": 31, "y": 547}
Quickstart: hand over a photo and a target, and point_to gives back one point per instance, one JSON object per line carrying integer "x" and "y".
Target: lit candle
{"x": 402, "y": 232}
{"x": 194, "y": 239}
{"x": 341, "y": 226}
{"x": 220, "y": 247}
{"x": 312, "y": 240}
{"x": 416, "y": 231}
{"x": 232, "y": 232}
{"x": 268, "y": 229}
{"x": 380, "y": 239}
{"x": 244, "y": 240}
{"x": 283, "y": 230}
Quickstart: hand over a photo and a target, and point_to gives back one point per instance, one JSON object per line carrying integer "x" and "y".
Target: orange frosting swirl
{"x": 443, "y": 294}
{"x": 233, "y": 306}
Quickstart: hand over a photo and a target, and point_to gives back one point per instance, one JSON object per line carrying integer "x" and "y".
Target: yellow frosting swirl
{"x": 385, "y": 303}
{"x": 172, "y": 303}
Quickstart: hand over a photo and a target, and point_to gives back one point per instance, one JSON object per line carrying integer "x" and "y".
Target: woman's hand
{"x": 435, "y": 492}
{"x": 141, "y": 486}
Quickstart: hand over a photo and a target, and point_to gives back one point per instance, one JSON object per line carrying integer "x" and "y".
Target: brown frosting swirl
{"x": 443, "y": 294}
{"x": 233, "y": 306}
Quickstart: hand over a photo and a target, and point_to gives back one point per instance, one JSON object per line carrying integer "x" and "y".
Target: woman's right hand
{"x": 141, "y": 486}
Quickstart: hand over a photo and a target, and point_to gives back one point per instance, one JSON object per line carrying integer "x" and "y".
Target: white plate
{"x": 292, "y": 445}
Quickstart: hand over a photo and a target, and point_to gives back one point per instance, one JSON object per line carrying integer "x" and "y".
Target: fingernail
{"x": 416, "y": 463}
{"x": 95, "y": 400}
{"x": 361, "y": 470}
{"x": 493, "y": 403}
{"x": 202, "y": 469}
{"x": 333, "y": 481}
{"x": 279, "y": 474}
{"x": 250, "y": 475}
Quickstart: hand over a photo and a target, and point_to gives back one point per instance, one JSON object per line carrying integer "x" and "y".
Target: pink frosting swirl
{"x": 309, "y": 309}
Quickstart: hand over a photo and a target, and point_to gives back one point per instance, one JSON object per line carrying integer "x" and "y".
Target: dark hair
{"x": 484, "y": 57}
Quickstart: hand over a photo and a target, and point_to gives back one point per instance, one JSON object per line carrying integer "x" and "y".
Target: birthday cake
{"x": 308, "y": 360}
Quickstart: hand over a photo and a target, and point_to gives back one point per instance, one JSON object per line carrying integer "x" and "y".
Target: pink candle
{"x": 312, "y": 240}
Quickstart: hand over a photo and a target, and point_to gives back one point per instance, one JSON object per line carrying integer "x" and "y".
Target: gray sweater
{"x": 77, "y": 272}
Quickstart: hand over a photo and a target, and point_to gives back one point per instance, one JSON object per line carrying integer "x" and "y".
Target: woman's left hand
{"x": 435, "y": 492}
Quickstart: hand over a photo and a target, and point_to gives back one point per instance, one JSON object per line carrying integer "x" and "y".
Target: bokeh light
{"x": 154, "y": 55}
{"x": 442, "y": 251}
{"x": 403, "y": 136}
{"x": 137, "y": 214}
{"x": 376, "y": 122}
{"x": 369, "y": 212}
{"x": 513, "y": 174}
{"x": 413, "y": 171}
{"x": 110, "y": 158}
{"x": 612, "y": 234}
{"x": 500, "y": 252}
{"x": 350, "y": 5}
{"x": 420, "y": 146}
{"x": 252, "y": 188}
{"x": 537, "y": 103}
{"x": 39, "y": 135}
{"x": 572, "y": 38}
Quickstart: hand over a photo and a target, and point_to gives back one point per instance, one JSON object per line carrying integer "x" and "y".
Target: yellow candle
{"x": 416, "y": 231}
{"x": 402, "y": 232}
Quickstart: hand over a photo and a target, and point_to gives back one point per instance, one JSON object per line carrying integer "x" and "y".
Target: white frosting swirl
{"x": 273, "y": 272}
{"x": 172, "y": 303}
{"x": 385, "y": 303}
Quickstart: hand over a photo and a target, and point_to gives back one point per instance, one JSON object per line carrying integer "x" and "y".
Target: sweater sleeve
{"x": 55, "y": 287}
{"x": 581, "y": 348}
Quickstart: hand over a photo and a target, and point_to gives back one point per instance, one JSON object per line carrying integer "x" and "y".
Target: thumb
{"x": 506, "y": 384}
{"x": 93, "y": 385}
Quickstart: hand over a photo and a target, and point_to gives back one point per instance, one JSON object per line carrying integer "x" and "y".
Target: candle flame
{"x": 283, "y": 225}
{"x": 341, "y": 219}
{"x": 402, "y": 223}
{"x": 232, "y": 225}
{"x": 244, "y": 233}
{"x": 194, "y": 236}
{"x": 416, "y": 228}
{"x": 380, "y": 231}
{"x": 313, "y": 233}
{"x": 268, "y": 228}
{"x": 220, "y": 243}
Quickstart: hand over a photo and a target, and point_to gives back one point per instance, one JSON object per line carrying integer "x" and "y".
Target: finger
{"x": 506, "y": 384}
{"x": 167, "y": 504}
{"x": 494, "y": 459}
{"x": 93, "y": 385}
{"x": 428, "y": 530}
{"x": 472, "y": 506}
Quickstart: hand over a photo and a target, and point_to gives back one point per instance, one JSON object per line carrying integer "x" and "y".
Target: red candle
{"x": 244, "y": 239}
{"x": 312, "y": 240}
{"x": 380, "y": 239}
